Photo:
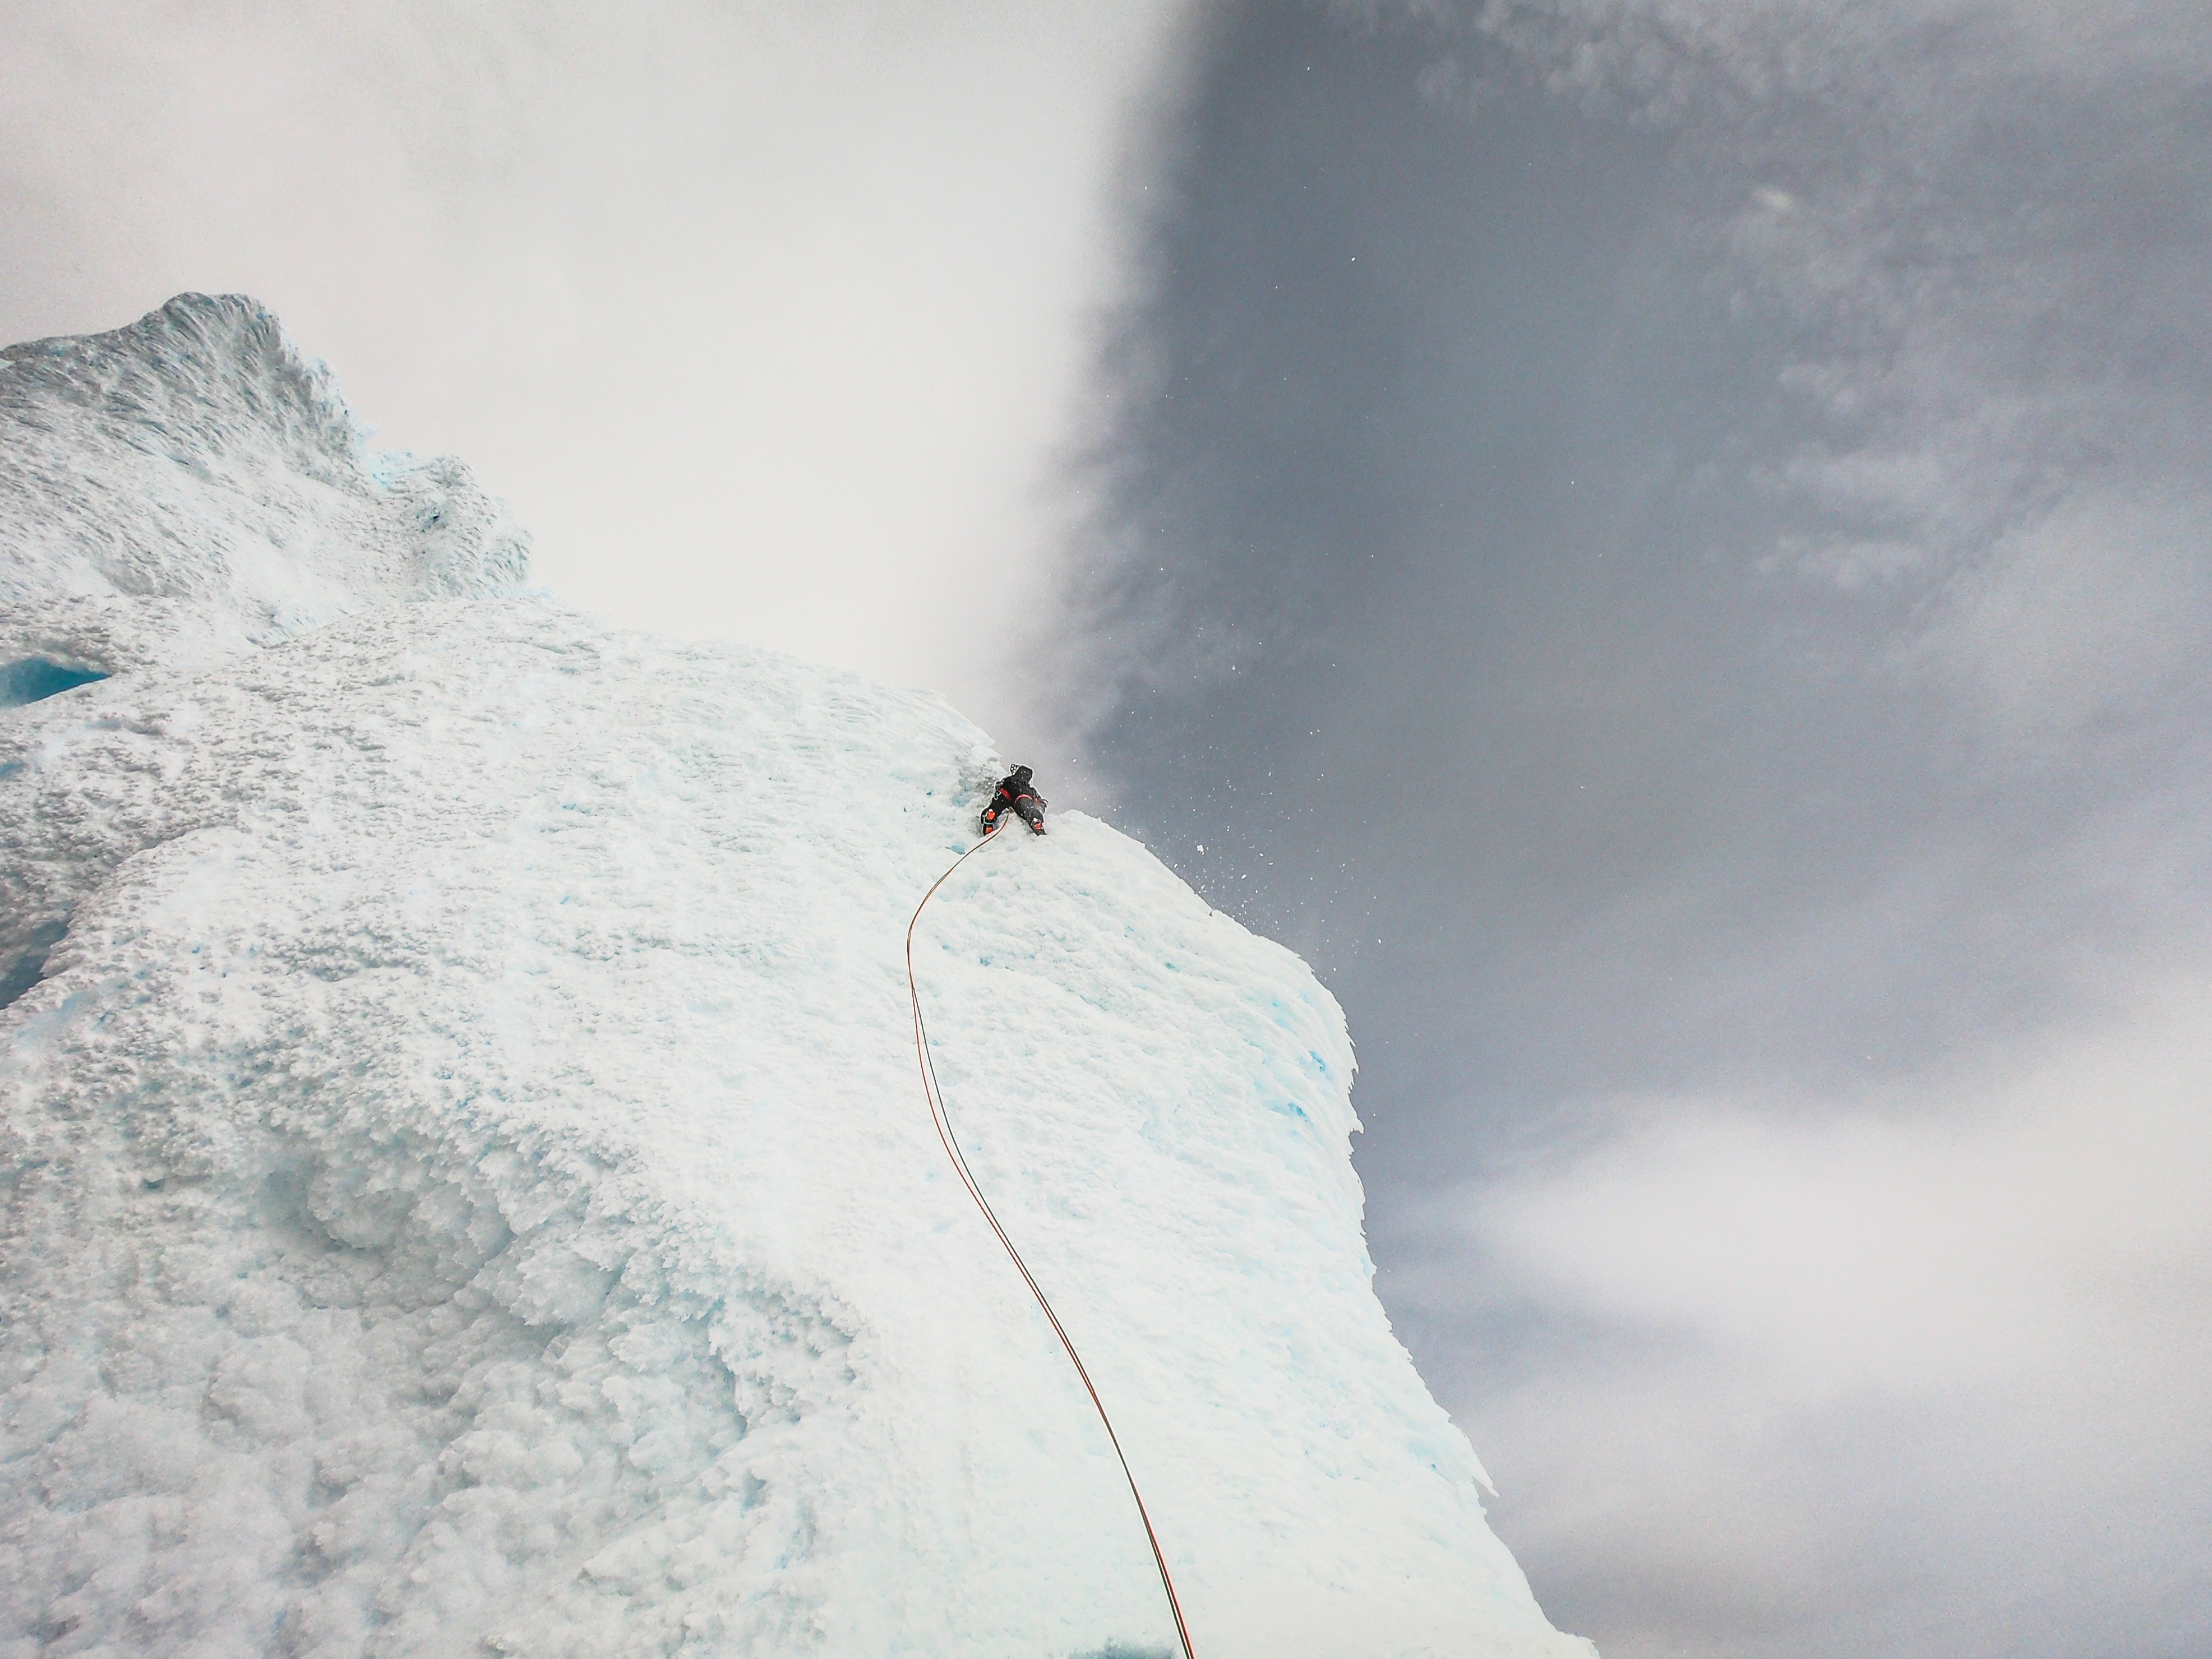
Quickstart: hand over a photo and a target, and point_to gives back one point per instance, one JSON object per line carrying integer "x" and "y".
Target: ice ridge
{"x": 193, "y": 484}
{"x": 467, "y": 1189}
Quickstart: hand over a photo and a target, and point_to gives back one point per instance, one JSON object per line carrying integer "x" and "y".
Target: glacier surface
{"x": 467, "y": 1186}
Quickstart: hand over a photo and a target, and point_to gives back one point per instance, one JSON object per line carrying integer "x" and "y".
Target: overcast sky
{"x": 1662, "y": 542}
{"x": 1666, "y": 546}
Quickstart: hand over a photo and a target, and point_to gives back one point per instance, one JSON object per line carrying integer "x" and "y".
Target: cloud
{"x": 1983, "y": 1228}
{"x": 1992, "y": 1287}
{"x": 1722, "y": 577}
{"x": 2089, "y": 615}
{"x": 1980, "y": 226}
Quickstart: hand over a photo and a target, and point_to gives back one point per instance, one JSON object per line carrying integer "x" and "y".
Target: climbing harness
{"x": 935, "y": 1095}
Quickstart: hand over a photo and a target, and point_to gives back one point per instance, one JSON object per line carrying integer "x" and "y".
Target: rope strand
{"x": 951, "y": 1144}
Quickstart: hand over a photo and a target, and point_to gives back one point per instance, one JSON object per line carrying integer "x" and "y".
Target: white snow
{"x": 468, "y": 1186}
{"x": 194, "y": 484}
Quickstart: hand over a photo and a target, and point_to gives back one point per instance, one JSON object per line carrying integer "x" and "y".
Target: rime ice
{"x": 469, "y": 1188}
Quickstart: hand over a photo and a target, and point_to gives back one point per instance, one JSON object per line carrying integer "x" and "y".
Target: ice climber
{"x": 1014, "y": 795}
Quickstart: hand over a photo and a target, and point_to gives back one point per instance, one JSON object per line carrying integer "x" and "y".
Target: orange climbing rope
{"x": 935, "y": 1095}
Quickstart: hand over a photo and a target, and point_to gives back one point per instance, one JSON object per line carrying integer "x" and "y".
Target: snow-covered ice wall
{"x": 467, "y": 1186}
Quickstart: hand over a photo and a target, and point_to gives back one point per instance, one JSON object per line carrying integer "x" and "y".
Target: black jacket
{"x": 1012, "y": 789}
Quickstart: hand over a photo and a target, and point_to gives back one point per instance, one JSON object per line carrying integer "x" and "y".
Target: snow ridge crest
{"x": 194, "y": 484}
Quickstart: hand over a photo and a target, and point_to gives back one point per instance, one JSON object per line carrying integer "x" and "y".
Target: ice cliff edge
{"x": 466, "y": 1185}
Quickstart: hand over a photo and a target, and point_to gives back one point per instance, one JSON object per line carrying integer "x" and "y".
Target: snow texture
{"x": 191, "y": 485}
{"x": 468, "y": 1188}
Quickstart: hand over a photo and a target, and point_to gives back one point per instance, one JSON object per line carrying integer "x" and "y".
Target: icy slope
{"x": 469, "y": 1190}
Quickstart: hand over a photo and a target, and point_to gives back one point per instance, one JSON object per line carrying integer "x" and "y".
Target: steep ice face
{"x": 469, "y": 1188}
{"x": 192, "y": 484}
